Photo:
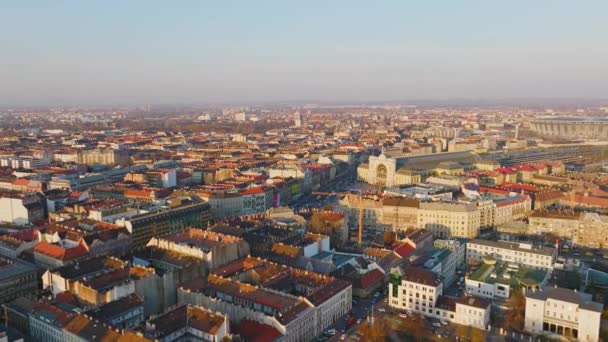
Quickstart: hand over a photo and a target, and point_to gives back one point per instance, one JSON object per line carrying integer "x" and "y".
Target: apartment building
{"x": 560, "y": 223}
{"x": 104, "y": 288}
{"x": 46, "y": 322}
{"x": 450, "y": 219}
{"x": 190, "y": 212}
{"x": 592, "y": 231}
{"x": 564, "y": 312}
{"x": 124, "y": 313}
{"x": 330, "y": 297}
{"x": 294, "y": 317}
{"x": 421, "y": 291}
{"x": 400, "y": 213}
{"x": 214, "y": 249}
{"x": 582, "y": 229}
{"x": 188, "y": 323}
{"x": 22, "y": 209}
{"x": 517, "y": 253}
{"x": 17, "y": 279}
{"x": 223, "y": 204}
{"x": 102, "y": 156}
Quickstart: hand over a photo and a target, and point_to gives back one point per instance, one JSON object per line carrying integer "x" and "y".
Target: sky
{"x": 171, "y": 52}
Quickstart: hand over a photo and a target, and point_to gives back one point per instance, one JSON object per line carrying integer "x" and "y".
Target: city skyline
{"x": 63, "y": 53}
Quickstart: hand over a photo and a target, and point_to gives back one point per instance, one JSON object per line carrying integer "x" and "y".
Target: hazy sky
{"x": 122, "y": 51}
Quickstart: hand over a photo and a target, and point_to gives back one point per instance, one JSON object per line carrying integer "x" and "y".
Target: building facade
{"x": 564, "y": 312}
{"x": 517, "y": 253}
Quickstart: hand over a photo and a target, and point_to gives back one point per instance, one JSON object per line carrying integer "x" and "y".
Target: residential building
{"x": 17, "y": 279}
{"x": 560, "y": 223}
{"x": 102, "y": 156}
{"x": 294, "y": 317}
{"x": 188, "y": 323}
{"x": 190, "y": 212}
{"x": 421, "y": 291}
{"x": 214, "y": 249}
{"x": 65, "y": 252}
{"x": 124, "y": 313}
{"x": 22, "y": 209}
{"x": 449, "y": 219}
{"x": 330, "y": 297}
{"x": 47, "y": 321}
{"x": 400, "y": 213}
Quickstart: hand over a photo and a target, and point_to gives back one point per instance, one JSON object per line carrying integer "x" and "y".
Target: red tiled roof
{"x": 505, "y": 170}
{"x": 371, "y": 278}
{"x": 587, "y": 200}
{"x": 519, "y": 186}
{"x": 26, "y": 234}
{"x": 252, "y": 191}
{"x": 61, "y": 253}
{"x": 527, "y": 168}
{"x": 253, "y": 331}
{"x": 404, "y": 250}
{"x": 21, "y": 181}
{"x": 139, "y": 193}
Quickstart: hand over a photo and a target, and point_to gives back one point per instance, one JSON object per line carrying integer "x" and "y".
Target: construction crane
{"x": 360, "y": 219}
{"x": 360, "y": 208}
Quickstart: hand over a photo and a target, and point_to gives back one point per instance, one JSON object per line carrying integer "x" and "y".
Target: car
{"x": 403, "y": 315}
{"x": 359, "y": 321}
{"x": 343, "y": 337}
{"x": 331, "y": 332}
{"x": 382, "y": 310}
{"x": 443, "y": 322}
{"x": 437, "y": 324}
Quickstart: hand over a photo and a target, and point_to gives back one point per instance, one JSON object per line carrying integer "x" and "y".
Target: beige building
{"x": 386, "y": 170}
{"x": 562, "y": 224}
{"x": 487, "y": 165}
{"x": 592, "y": 231}
{"x": 448, "y": 219}
{"x": 102, "y": 156}
{"x": 400, "y": 213}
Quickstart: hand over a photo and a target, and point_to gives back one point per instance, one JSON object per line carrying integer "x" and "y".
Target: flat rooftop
{"x": 548, "y": 251}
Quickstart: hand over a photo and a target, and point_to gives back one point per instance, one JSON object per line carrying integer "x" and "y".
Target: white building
{"x": 496, "y": 280}
{"x": 517, "y": 253}
{"x": 563, "y": 312}
{"x": 21, "y": 209}
{"x": 421, "y": 291}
